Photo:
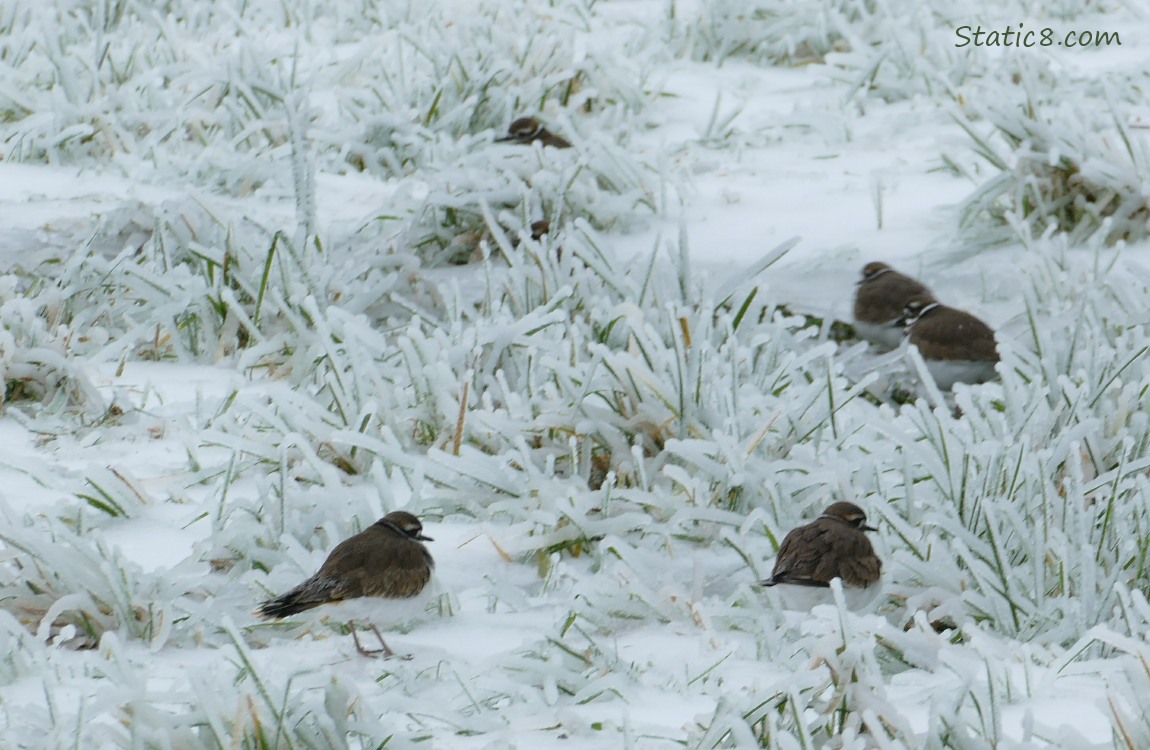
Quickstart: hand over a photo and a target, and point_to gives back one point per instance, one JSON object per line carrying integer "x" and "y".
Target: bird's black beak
{"x": 867, "y": 527}
{"x": 506, "y": 138}
{"x": 424, "y": 538}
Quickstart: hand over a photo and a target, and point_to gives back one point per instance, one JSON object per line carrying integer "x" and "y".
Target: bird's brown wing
{"x": 550, "y": 139}
{"x": 858, "y": 565}
{"x": 968, "y": 339}
{"x": 885, "y": 297}
{"x": 376, "y": 562}
{"x": 801, "y": 555}
{"x": 814, "y": 554}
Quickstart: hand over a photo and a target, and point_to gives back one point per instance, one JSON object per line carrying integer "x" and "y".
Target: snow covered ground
{"x": 267, "y": 276}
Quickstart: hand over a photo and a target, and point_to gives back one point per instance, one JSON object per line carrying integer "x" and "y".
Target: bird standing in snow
{"x": 370, "y": 575}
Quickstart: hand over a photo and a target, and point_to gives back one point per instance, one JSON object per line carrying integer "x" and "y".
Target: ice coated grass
{"x": 633, "y": 438}
{"x": 1080, "y": 177}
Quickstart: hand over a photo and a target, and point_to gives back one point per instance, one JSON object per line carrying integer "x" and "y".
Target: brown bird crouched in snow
{"x": 834, "y": 545}
{"x": 376, "y": 571}
{"x": 956, "y": 346}
{"x": 880, "y": 300}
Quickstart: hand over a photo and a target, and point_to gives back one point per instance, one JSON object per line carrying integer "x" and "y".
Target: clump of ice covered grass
{"x": 116, "y": 700}
{"x": 774, "y": 32}
{"x": 1063, "y": 165}
{"x": 890, "y": 49}
{"x": 66, "y": 587}
{"x": 35, "y": 353}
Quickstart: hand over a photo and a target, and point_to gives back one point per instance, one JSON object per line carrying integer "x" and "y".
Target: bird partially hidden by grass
{"x": 379, "y": 569}
{"x": 529, "y": 130}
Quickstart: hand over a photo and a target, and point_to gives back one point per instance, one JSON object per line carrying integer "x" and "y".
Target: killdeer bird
{"x": 834, "y": 545}
{"x": 956, "y": 346}
{"x": 880, "y": 300}
{"x": 384, "y": 561}
{"x": 529, "y": 130}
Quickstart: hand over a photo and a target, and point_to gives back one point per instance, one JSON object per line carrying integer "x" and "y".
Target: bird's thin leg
{"x": 368, "y": 652}
{"x": 387, "y": 652}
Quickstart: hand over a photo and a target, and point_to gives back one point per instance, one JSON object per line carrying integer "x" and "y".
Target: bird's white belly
{"x": 886, "y": 335}
{"x": 947, "y": 373}
{"x": 805, "y": 598}
{"x": 385, "y": 614}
